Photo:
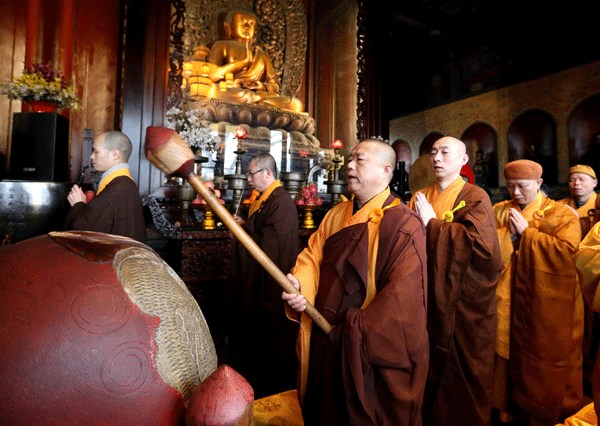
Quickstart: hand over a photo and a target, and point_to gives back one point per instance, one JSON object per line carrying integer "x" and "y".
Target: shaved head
{"x": 450, "y": 141}
{"x": 448, "y": 156}
{"x": 383, "y": 150}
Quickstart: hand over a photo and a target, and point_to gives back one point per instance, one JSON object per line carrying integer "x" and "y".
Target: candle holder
{"x": 185, "y": 194}
{"x": 335, "y": 186}
{"x": 292, "y": 182}
{"x": 208, "y": 221}
{"x": 308, "y": 221}
{"x": 237, "y": 181}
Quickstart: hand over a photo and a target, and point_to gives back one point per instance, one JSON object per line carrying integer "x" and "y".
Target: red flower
{"x": 309, "y": 195}
{"x": 303, "y": 153}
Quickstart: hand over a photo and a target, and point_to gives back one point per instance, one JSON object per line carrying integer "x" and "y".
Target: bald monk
{"x": 365, "y": 271}
{"x": 463, "y": 263}
{"x": 117, "y": 206}
{"x": 540, "y": 306}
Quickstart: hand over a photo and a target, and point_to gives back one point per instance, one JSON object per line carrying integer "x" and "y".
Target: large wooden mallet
{"x": 168, "y": 151}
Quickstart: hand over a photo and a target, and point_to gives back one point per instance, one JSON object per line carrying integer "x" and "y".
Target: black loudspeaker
{"x": 40, "y": 147}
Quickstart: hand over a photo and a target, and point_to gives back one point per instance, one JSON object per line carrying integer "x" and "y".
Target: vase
{"x": 308, "y": 222}
{"x": 39, "y": 106}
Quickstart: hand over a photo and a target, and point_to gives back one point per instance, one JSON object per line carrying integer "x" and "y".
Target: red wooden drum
{"x": 97, "y": 329}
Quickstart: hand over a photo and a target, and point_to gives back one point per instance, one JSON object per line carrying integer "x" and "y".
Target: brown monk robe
{"x": 117, "y": 206}
{"x": 540, "y": 306}
{"x": 376, "y": 355}
{"x": 262, "y": 339}
{"x": 463, "y": 258}
{"x": 365, "y": 271}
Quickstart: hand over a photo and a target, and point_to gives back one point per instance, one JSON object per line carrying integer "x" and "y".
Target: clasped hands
{"x": 424, "y": 208}
{"x": 516, "y": 223}
{"x": 76, "y": 195}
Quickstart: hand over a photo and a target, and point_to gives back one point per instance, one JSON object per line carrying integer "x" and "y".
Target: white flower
{"x": 194, "y": 131}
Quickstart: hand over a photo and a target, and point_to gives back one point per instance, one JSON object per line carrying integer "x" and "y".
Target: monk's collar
{"x": 356, "y": 208}
{"x": 114, "y": 169}
{"x": 459, "y": 181}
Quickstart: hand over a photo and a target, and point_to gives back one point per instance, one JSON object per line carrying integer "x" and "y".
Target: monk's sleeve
{"x": 587, "y": 262}
{"x": 92, "y": 216}
{"x": 554, "y": 240}
{"x": 465, "y": 266}
{"x": 308, "y": 263}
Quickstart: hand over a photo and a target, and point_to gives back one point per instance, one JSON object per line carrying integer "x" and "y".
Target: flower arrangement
{"x": 309, "y": 195}
{"x": 40, "y": 82}
{"x": 193, "y": 129}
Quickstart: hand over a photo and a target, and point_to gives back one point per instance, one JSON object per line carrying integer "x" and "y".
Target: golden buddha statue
{"x": 236, "y": 69}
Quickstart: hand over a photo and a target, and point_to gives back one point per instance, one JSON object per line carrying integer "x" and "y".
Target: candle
{"x": 337, "y": 144}
{"x": 241, "y": 133}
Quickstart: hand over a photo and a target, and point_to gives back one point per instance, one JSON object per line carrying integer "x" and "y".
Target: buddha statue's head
{"x": 240, "y": 24}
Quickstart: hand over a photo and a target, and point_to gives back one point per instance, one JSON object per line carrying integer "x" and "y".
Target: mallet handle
{"x": 253, "y": 248}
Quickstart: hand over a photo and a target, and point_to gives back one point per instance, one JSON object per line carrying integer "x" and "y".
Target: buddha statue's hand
{"x": 250, "y": 84}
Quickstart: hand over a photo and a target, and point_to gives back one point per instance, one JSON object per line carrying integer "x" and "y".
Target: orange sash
{"x": 109, "y": 177}
{"x": 256, "y": 204}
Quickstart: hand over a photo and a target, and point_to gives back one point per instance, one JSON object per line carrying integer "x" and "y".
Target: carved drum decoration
{"x": 97, "y": 329}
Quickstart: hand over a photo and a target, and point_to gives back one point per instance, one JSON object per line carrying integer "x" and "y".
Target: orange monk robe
{"x": 540, "y": 309}
{"x": 584, "y": 417}
{"x": 586, "y": 220}
{"x": 587, "y": 262}
{"x": 591, "y": 332}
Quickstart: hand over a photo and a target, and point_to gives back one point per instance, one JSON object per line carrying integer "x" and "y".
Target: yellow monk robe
{"x": 308, "y": 264}
{"x": 584, "y": 417}
{"x": 540, "y": 308}
{"x": 585, "y": 219}
{"x": 587, "y": 262}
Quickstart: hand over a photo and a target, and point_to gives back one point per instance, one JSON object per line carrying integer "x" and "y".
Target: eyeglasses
{"x": 251, "y": 174}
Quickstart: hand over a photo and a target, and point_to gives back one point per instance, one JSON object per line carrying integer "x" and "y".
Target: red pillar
{"x": 65, "y": 60}
{"x": 33, "y": 31}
